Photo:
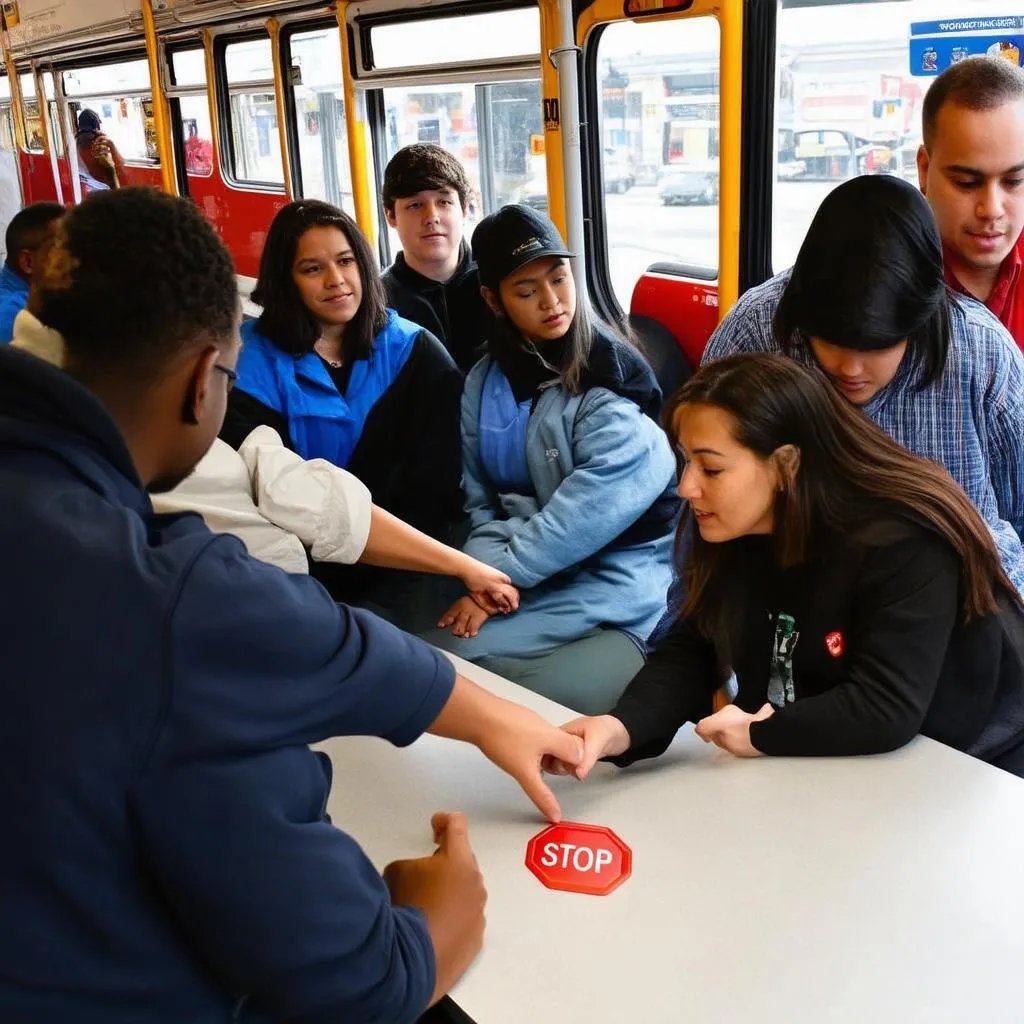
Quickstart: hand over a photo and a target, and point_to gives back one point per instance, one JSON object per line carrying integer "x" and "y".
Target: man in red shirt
{"x": 971, "y": 168}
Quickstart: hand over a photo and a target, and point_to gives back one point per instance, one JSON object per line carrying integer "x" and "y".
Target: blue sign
{"x": 937, "y": 45}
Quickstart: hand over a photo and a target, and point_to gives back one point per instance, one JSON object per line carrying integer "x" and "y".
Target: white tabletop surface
{"x": 881, "y": 890}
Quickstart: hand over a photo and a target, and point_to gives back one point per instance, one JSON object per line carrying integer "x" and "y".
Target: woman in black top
{"x": 851, "y": 586}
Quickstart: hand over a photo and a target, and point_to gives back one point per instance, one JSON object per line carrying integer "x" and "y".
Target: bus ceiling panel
{"x": 204, "y": 13}
{"x": 40, "y": 31}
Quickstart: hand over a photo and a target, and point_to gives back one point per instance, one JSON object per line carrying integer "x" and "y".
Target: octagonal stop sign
{"x": 590, "y": 859}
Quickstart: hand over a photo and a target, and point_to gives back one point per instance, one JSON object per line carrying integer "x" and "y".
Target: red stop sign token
{"x": 590, "y": 859}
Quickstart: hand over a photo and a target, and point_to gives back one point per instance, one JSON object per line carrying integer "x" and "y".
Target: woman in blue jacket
{"x": 569, "y": 479}
{"x": 346, "y": 379}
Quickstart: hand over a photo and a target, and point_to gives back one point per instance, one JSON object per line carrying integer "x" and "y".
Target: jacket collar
{"x": 47, "y": 409}
{"x": 414, "y": 279}
{"x": 12, "y": 281}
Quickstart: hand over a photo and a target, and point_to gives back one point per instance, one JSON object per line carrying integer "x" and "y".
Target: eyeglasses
{"x": 231, "y": 375}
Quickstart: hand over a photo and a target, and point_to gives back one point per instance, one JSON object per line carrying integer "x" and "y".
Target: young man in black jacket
{"x": 433, "y": 281}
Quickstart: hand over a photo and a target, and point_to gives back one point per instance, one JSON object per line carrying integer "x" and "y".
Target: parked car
{"x": 618, "y": 175}
{"x": 690, "y": 183}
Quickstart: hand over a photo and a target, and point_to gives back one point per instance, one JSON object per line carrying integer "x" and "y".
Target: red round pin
{"x": 572, "y": 857}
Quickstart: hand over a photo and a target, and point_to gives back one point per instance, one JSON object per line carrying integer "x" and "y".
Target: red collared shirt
{"x": 1007, "y": 298}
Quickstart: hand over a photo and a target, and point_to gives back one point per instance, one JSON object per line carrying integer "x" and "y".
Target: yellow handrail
{"x": 211, "y": 93}
{"x": 550, "y": 38}
{"x": 355, "y": 130}
{"x": 17, "y": 100}
{"x": 274, "y": 31}
{"x": 730, "y": 18}
{"x": 161, "y": 110}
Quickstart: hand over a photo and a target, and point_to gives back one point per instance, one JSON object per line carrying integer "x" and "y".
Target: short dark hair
{"x": 285, "y": 320}
{"x": 29, "y": 227}
{"x": 422, "y": 167}
{"x": 133, "y": 277}
{"x": 979, "y": 83}
{"x": 869, "y": 275}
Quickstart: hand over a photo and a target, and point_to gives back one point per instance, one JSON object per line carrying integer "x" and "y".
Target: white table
{"x": 882, "y": 890}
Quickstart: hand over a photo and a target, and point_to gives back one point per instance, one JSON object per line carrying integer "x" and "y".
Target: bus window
{"x": 6, "y": 127}
{"x": 188, "y": 68}
{"x": 658, "y": 105}
{"x": 6, "y": 117}
{"x": 320, "y": 112}
{"x": 255, "y": 139}
{"x": 33, "y": 127}
{"x": 847, "y": 103}
{"x": 53, "y": 111}
{"x": 495, "y": 129}
{"x": 120, "y": 95}
{"x": 492, "y": 36}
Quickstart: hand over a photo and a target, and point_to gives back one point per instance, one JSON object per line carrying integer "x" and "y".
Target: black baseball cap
{"x": 511, "y": 238}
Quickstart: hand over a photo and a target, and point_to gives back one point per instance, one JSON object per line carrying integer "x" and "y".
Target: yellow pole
{"x": 17, "y": 100}
{"x": 161, "y": 110}
{"x": 550, "y": 39}
{"x": 355, "y": 130}
{"x": 211, "y": 93}
{"x": 274, "y": 31}
{"x": 731, "y": 78}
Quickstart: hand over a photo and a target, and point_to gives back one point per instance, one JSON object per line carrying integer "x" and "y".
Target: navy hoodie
{"x": 165, "y": 855}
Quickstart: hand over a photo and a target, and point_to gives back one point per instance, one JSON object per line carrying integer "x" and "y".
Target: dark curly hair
{"x": 285, "y": 319}
{"x": 422, "y": 167}
{"x": 134, "y": 276}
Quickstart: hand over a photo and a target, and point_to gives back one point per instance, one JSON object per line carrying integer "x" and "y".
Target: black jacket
{"x": 454, "y": 311}
{"x": 863, "y": 645}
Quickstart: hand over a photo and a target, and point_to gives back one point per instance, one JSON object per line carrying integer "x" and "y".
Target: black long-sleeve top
{"x": 859, "y": 648}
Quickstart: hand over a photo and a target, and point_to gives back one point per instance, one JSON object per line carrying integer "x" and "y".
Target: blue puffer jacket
{"x": 597, "y": 464}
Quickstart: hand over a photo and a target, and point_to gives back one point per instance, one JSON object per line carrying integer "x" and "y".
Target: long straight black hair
{"x": 286, "y": 320}
{"x": 869, "y": 275}
{"x": 849, "y": 472}
{"x": 579, "y": 339}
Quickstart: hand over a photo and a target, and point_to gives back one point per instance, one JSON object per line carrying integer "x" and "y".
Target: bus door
{"x": 662, "y": 169}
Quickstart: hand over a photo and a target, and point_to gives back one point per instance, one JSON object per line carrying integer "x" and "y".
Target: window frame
{"x": 122, "y": 57}
{"x": 291, "y": 111}
{"x": 229, "y": 169}
{"x": 362, "y": 53}
{"x": 599, "y": 276}
{"x": 175, "y": 93}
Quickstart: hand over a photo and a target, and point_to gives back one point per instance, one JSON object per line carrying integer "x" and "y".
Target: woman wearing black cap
{"x": 569, "y": 479}
{"x": 100, "y": 164}
{"x": 867, "y": 303}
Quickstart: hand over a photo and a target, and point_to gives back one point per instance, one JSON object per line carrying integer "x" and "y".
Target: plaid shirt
{"x": 971, "y": 421}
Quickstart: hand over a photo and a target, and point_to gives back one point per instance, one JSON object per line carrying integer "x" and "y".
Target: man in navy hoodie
{"x": 165, "y": 855}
